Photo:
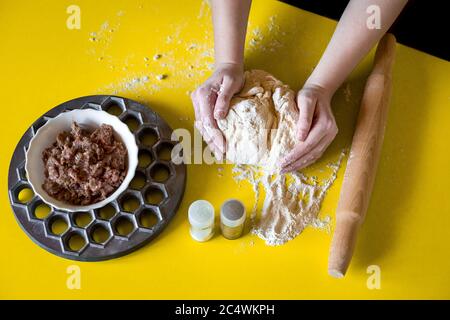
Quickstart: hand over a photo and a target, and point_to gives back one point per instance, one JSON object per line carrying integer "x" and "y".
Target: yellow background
{"x": 43, "y": 63}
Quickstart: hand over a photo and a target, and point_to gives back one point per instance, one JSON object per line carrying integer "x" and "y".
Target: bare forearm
{"x": 352, "y": 40}
{"x": 230, "y": 26}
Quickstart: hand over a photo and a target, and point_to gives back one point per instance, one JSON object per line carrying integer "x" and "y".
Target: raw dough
{"x": 260, "y": 126}
{"x": 259, "y": 130}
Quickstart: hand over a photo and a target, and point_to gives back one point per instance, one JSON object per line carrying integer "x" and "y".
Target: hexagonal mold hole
{"x": 148, "y": 136}
{"x": 106, "y": 212}
{"x": 82, "y": 219}
{"x": 100, "y": 234}
{"x": 75, "y": 241}
{"x": 131, "y": 121}
{"x": 148, "y": 218}
{"x": 129, "y": 203}
{"x": 40, "y": 210}
{"x": 160, "y": 172}
{"x": 138, "y": 181}
{"x": 145, "y": 158}
{"x": 123, "y": 226}
{"x": 114, "y": 108}
{"x": 23, "y": 194}
{"x": 154, "y": 195}
{"x": 164, "y": 151}
{"x": 57, "y": 225}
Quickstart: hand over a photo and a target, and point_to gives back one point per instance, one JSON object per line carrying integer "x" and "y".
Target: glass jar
{"x": 232, "y": 219}
{"x": 201, "y": 219}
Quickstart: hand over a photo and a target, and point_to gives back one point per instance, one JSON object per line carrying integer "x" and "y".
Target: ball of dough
{"x": 260, "y": 126}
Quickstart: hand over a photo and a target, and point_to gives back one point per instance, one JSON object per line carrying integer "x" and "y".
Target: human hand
{"x": 212, "y": 100}
{"x": 316, "y": 128}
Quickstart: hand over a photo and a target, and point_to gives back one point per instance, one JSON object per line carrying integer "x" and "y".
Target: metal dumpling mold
{"x": 136, "y": 217}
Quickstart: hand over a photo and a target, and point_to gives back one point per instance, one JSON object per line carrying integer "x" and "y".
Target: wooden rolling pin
{"x": 363, "y": 159}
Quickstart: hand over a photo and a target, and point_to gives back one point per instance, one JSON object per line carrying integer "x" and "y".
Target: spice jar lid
{"x": 201, "y": 214}
{"x": 232, "y": 213}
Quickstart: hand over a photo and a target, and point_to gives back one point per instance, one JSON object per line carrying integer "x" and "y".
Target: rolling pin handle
{"x": 347, "y": 226}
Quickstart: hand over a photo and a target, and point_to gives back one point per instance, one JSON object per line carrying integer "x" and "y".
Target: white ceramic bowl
{"x": 46, "y": 135}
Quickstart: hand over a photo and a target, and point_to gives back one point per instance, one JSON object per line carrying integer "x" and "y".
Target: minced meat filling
{"x": 82, "y": 168}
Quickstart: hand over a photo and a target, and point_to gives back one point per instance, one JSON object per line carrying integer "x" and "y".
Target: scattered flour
{"x": 292, "y": 201}
{"x": 130, "y": 84}
{"x": 194, "y": 64}
{"x": 269, "y": 43}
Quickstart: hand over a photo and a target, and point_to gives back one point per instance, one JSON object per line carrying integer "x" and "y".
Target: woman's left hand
{"x": 316, "y": 128}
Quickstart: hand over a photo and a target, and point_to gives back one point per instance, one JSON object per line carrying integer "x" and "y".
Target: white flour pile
{"x": 259, "y": 130}
{"x": 292, "y": 201}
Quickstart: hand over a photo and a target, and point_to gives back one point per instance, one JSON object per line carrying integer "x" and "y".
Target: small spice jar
{"x": 232, "y": 219}
{"x": 201, "y": 218}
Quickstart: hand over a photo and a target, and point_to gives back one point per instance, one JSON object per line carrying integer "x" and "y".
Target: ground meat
{"x": 83, "y": 168}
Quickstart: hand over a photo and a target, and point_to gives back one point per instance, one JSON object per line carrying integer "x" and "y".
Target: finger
{"x": 328, "y": 126}
{"x": 301, "y": 162}
{"x": 217, "y": 154}
{"x": 198, "y": 122}
{"x": 206, "y": 100}
{"x": 212, "y": 146}
{"x": 196, "y": 109}
{"x": 298, "y": 165}
{"x": 216, "y": 137}
{"x": 223, "y": 99}
{"x": 302, "y": 148}
{"x": 208, "y": 139}
{"x": 308, "y": 159}
{"x": 202, "y": 99}
{"x": 306, "y": 106}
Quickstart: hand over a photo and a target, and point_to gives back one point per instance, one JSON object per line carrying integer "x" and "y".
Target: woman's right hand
{"x": 212, "y": 100}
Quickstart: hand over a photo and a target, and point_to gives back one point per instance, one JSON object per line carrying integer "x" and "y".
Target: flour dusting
{"x": 292, "y": 201}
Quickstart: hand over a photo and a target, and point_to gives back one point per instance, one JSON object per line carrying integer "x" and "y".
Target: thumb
{"x": 223, "y": 100}
{"x": 306, "y": 106}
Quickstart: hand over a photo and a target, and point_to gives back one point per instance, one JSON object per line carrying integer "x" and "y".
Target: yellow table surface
{"x": 43, "y": 63}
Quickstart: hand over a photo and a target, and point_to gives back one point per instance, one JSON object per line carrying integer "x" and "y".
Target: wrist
{"x": 239, "y": 66}
{"x": 328, "y": 84}
{"x": 319, "y": 86}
